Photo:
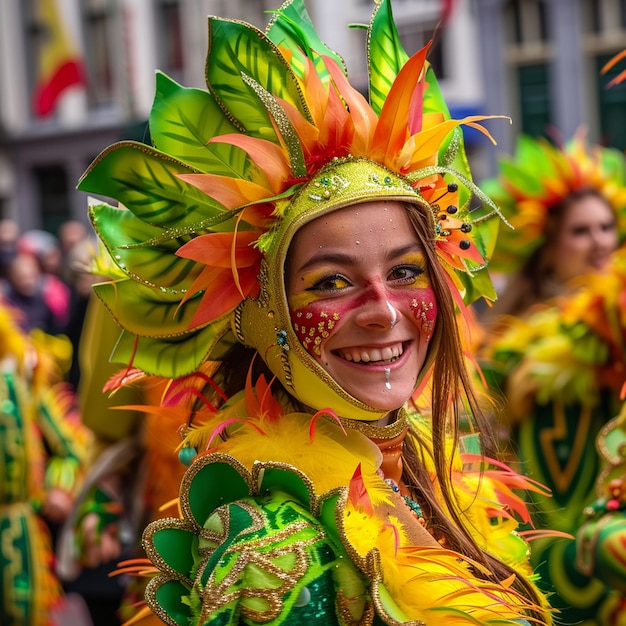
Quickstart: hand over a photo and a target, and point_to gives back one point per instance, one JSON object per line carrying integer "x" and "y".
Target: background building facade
{"x": 78, "y": 75}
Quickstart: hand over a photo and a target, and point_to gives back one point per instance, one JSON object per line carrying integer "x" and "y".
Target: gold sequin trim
{"x": 372, "y": 431}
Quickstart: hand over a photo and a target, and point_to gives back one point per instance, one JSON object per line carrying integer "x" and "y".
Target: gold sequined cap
{"x": 265, "y": 323}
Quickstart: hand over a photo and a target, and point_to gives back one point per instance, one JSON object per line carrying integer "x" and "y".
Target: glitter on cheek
{"x": 424, "y": 307}
{"x": 314, "y": 324}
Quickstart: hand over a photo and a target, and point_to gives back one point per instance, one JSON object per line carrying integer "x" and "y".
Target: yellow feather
{"x": 330, "y": 459}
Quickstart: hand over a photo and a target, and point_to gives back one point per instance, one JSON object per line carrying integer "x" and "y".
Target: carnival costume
{"x": 42, "y": 447}
{"x": 285, "y": 516}
{"x": 561, "y": 365}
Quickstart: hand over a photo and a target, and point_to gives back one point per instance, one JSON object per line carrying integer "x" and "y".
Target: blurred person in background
{"x": 568, "y": 208}
{"x": 9, "y": 234}
{"x": 24, "y": 289}
{"x": 42, "y": 451}
{"x": 44, "y": 247}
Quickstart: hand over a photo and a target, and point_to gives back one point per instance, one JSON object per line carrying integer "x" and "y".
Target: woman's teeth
{"x": 388, "y": 354}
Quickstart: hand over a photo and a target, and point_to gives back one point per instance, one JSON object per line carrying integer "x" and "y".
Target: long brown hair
{"x": 452, "y": 389}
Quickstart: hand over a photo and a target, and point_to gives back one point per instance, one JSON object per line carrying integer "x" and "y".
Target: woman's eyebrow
{"x": 343, "y": 258}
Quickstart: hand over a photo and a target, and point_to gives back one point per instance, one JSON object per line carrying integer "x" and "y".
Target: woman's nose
{"x": 376, "y": 311}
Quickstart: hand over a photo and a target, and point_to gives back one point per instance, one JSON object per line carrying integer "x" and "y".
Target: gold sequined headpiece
{"x": 278, "y": 138}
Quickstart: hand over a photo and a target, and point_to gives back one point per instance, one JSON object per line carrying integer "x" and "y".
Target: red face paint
{"x": 315, "y": 322}
{"x": 424, "y": 310}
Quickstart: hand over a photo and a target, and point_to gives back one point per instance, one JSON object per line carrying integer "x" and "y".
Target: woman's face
{"x": 587, "y": 236}
{"x": 361, "y": 300}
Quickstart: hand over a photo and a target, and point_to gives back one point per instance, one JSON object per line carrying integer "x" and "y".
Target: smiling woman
{"x": 364, "y": 268}
{"x": 295, "y": 269}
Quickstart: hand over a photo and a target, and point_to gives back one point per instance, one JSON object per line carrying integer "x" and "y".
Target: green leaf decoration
{"x": 157, "y": 266}
{"x": 614, "y": 164}
{"x": 328, "y": 514}
{"x": 236, "y": 48}
{"x": 385, "y": 54}
{"x": 176, "y": 547}
{"x": 477, "y": 285}
{"x": 433, "y": 98}
{"x": 532, "y": 155}
{"x": 390, "y": 606}
{"x": 170, "y": 357}
{"x": 183, "y": 120}
{"x": 146, "y": 311}
{"x": 212, "y": 484}
{"x": 169, "y": 596}
{"x": 145, "y": 181}
{"x": 291, "y": 27}
{"x": 288, "y": 481}
{"x": 486, "y": 229}
{"x": 520, "y": 178}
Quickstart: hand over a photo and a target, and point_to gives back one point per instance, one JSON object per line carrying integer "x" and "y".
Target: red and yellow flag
{"x": 59, "y": 62}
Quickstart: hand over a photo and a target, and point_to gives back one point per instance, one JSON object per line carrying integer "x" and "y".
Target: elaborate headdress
{"x": 537, "y": 178}
{"x": 278, "y": 138}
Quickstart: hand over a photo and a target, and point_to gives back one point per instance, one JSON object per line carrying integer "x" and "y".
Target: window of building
{"x": 98, "y": 28}
{"x": 525, "y": 21}
{"x": 53, "y": 195}
{"x": 534, "y": 90}
{"x": 612, "y": 105}
{"x": 603, "y": 16}
{"x": 170, "y": 38}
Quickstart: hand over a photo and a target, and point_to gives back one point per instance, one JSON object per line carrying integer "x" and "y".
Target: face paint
{"x": 425, "y": 312}
{"x": 365, "y": 311}
{"x": 313, "y": 325}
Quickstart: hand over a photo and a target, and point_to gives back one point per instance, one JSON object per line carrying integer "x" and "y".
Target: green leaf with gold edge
{"x": 170, "y": 357}
{"x": 213, "y": 485}
{"x": 183, "y": 120}
{"x": 143, "y": 310}
{"x": 390, "y": 606}
{"x": 176, "y": 547}
{"x": 288, "y": 481}
{"x": 292, "y": 28}
{"x": 235, "y": 49}
{"x": 385, "y": 54}
{"x": 145, "y": 181}
{"x": 156, "y": 265}
{"x": 169, "y": 596}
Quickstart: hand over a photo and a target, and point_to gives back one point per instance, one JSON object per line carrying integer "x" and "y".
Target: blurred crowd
{"x": 47, "y": 278}
{"x": 45, "y": 289}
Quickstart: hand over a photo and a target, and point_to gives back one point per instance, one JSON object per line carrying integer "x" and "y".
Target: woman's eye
{"x": 580, "y": 231}
{"x": 406, "y": 274}
{"x": 330, "y": 283}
